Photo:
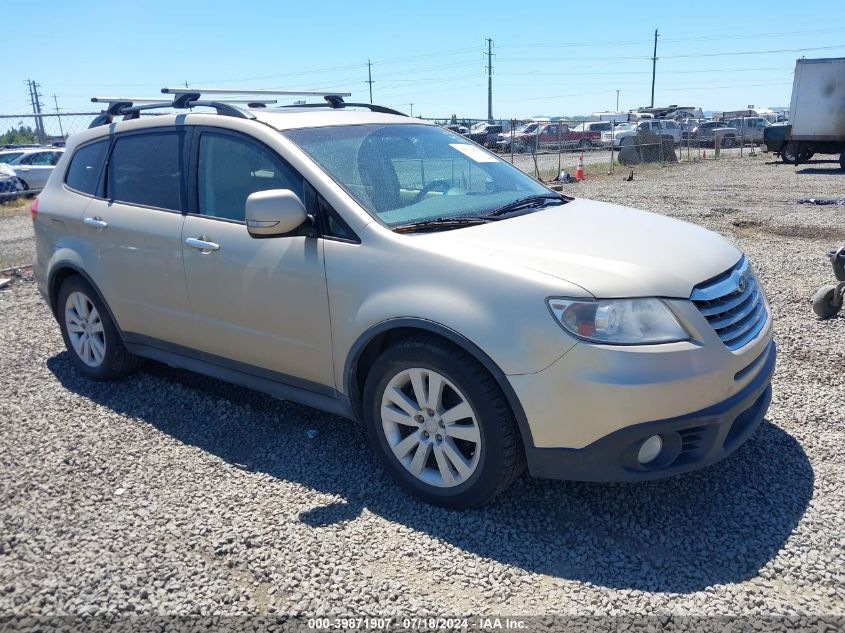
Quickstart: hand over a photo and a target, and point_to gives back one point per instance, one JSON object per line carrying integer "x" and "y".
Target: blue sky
{"x": 560, "y": 58}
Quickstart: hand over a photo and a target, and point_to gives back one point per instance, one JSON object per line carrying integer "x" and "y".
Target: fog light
{"x": 650, "y": 449}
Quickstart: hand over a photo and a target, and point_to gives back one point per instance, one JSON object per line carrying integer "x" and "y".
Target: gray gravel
{"x": 170, "y": 493}
{"x": 17, "y": 243}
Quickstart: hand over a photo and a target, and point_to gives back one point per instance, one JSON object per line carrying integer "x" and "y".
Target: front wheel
{"x": 728, "y": 142}
{"x": 440, "y": 424}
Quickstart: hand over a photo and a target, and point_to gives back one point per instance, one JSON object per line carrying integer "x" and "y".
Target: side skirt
{"x": 272, "y": 383}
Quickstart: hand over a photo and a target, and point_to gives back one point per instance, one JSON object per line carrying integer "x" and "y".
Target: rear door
{"x": 260, "y": 302}
{"x": 135, "y": 228}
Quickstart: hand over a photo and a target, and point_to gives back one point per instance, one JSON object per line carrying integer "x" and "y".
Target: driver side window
{"x": 231, "y": 168}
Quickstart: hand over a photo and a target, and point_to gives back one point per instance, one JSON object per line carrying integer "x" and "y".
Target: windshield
{"x": 9, "y": 157}
{"x": 410, "y": 173}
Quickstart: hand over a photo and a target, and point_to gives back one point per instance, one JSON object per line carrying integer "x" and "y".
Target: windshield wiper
{"x": 437, "y": 224}
{"x": 527, "y": 203}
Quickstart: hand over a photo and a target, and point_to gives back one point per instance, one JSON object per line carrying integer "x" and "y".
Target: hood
{"x": 609, "y": 250}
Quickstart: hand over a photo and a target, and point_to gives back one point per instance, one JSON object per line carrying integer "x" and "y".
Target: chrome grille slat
{"x": 736, "y": 314}
{"x": 733, "y": 304}
{"x": 735, "y": 332}
{"x": 713, "y": 307}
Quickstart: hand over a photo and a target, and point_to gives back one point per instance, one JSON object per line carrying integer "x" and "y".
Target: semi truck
{"x": 816, "y": 113}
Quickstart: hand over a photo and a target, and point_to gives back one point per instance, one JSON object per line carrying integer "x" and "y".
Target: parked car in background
{"x": 485, "y": 134}
{"x": 749, "y": 129}
{"x": 552, "y": 135}
{"x": 34, "y": 166}
{"x": 9, "y": 182}
{"x": 458, "y": 129}
{"x": 8, "y": 155}
{"x": 706, "y": 131}
{"x": 593, "y": 126}
{"x": 666, "y": 128}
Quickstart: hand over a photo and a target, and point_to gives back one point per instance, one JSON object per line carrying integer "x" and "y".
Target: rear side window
{"x": 146, "y": 169}
{"x": 85, "y": 166}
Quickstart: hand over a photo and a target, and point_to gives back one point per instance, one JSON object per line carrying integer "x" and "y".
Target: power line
{"x": 638, "y": 57}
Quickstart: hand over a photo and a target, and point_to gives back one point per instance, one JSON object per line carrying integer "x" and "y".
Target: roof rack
{"x": 333, "y": 99}
{"x": 131, "y": 107}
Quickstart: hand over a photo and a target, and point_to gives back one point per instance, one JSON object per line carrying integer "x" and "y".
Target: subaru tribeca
{"x": 389, "y": 271}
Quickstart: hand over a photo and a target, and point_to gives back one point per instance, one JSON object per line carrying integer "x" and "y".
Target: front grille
{"x": 733, "y": 304}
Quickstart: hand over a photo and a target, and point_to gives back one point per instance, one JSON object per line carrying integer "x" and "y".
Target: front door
{"x": 259, "y": 302}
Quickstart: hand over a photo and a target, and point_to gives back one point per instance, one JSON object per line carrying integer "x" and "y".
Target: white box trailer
{"x": 817, "y": 111}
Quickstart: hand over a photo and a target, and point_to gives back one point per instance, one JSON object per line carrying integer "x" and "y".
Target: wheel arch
{"x": 62, "y": 271}
{"x": 382, "y": 335}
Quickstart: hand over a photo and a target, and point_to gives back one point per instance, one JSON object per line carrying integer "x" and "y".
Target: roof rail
{"x": 131, "y": 107}
{"x": 344, "y": 104}
{"x": 334, "y": 99}
{"x": 235, "y": 91}
{"x": 128, "y": 108}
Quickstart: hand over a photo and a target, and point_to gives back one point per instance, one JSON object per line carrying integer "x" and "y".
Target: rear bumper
{"x": 690, "y": 442}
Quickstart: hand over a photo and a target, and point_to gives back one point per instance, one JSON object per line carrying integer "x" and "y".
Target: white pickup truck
{"x": 664, "y": 127}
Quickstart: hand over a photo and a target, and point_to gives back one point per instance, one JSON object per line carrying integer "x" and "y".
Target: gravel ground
{"x": 17, "y": 244}
{"x": 171, "y": 493}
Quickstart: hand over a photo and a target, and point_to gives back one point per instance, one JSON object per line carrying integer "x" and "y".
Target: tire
{"x": 409, "y": 439}
{"x": 825, "y": 303}
{"x": 842, "y": 161}
{"x": 788, "y": 154}
{"x": 727, "y": 142}
{"x": 82, "y": 315}
{"x": 584, "y": 144}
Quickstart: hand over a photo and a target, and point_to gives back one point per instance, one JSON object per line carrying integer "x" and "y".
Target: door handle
{"x": 97, "y": 222}
{"x": 202, "y": 244}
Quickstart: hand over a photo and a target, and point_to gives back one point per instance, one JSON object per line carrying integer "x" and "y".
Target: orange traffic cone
{"x": 579, "y": 171}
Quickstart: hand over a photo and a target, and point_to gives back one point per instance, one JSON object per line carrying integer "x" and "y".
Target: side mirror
{"x": 274, "y": 212}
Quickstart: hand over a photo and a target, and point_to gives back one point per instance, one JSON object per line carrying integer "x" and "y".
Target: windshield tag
{"x": 475, "y": 153}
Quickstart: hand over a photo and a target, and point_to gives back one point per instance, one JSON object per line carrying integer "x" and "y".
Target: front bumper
{"x": 690, "y": 441}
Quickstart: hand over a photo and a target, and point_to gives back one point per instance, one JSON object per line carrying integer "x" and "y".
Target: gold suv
{"x": 385, "y": 269}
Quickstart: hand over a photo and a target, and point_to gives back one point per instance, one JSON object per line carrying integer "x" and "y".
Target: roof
{"x": 293, "y": 118}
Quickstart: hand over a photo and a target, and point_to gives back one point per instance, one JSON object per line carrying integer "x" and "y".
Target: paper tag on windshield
{"x": 474, "y": 152}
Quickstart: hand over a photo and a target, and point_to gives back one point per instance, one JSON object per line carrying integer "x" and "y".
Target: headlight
{"x": 618, "y": 321}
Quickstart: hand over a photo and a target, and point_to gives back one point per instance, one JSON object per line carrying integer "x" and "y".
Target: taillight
{"x": 34, "y": 209}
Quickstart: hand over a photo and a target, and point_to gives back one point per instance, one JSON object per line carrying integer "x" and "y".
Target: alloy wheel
{"x": 85, "y": 329}
{"x": 431, "y": 427}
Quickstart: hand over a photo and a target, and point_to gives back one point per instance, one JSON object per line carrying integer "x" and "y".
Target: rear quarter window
{"x": 85, "y": 166}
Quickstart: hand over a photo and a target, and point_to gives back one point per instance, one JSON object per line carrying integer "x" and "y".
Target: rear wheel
{"x": 728, "y": 142}
{"x": 842, "y": 160}
{"x": 441, "y": 425}
{"x": 89, "y": 333}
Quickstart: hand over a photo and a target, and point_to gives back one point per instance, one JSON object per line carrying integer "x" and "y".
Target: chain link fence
{"x": 544, "y": 148}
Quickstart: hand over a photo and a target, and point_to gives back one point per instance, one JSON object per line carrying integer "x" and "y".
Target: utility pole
{"x": 489, "y": 79}
{"x": 58, "y": 116}
{"x": 35, "y": 100}
{"x": 370, "y": 78}
{"x": 653, "y": 67}
{"x": 412, "y": 108}
{"x": 617, "y": 100}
